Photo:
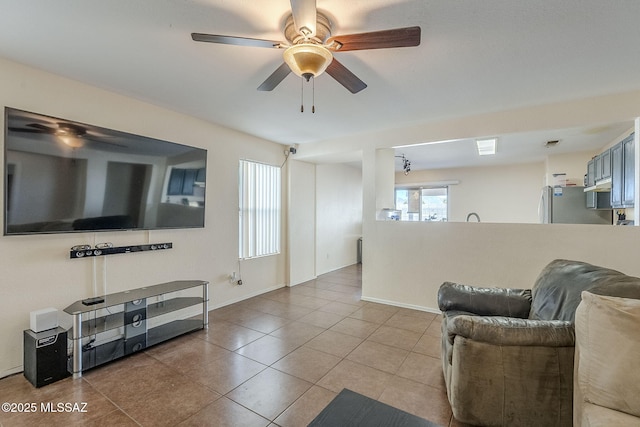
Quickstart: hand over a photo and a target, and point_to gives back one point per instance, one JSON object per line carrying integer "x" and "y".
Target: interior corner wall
{"x": 385, "y": 172}
{"x": 573, "y": 165}
{"x": 37, "y": 271}
{"x": 301, "y": 221}
{"x": 338, "y": 215}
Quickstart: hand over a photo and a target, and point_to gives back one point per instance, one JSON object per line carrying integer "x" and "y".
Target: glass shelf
{"x": 129, "y": 321}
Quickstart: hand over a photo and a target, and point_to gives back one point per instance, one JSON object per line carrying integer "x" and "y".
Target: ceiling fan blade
{"x": 42, "y": 128}
{"x": 398, "y": 37}
{"x": 275, "y": 78}
{"x": 238, "y": 41}
{"x": 100, "y": 141}
{"x": 304, "y": 16}
{"x": 27, "y": 130}
{"x": 345, "y": 77}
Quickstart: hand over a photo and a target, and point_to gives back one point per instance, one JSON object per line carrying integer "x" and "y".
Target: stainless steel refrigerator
{"x": 568, "y": 205}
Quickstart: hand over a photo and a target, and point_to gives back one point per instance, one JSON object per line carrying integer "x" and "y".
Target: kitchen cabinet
{"x": 617, "y": 175}
{"x": 605, "y": 164}
{"x": 591, "y": 173}
{"x": 599, "y": 200}
{"x": 628, "y": 157}
{"x": 601, "y": 166}
{"x": 622, "y": 173}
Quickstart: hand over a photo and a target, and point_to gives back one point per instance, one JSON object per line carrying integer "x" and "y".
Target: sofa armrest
{"x": 484, "y": 301}
{"x": 508, "y": 331}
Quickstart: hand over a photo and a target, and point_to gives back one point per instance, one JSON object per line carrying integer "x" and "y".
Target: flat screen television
{"x": 63, "y": 176}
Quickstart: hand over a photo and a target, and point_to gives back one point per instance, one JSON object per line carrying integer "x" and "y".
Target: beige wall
{"x": 574, "y": 165}
{"x": 406, "y": 262}
{"x": 339, "y": 216}
{"x": 508, "y": 194}
{"x": 302, "y": 221}
{"x": 36, "y": 270}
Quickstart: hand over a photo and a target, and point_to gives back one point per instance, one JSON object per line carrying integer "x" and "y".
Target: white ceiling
{"x": 475, "y": 57}
{"x": 514, "y": 148}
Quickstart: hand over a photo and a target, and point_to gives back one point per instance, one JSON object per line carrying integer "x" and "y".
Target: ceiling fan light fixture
{"x": 72, "y": 141}
{"x": 70, "y": 134}
{"x": 307, "y": 59}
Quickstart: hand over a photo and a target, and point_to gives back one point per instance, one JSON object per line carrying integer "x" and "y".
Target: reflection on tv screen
{"x": 63, "y": 176}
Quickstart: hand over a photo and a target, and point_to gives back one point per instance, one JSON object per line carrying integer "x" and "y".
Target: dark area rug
{"x": 351, "y": 409}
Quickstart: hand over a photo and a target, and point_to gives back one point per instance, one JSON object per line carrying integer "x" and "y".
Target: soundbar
{"x": 85, "y": 253}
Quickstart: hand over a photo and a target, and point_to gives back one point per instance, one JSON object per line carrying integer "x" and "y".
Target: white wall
{"x": 508, "y": 194}
{"x": 338, "y": 216}
{"x": 412, "y": 259}
{"x": 574, "y": 165}
{"x": 302, "y": 222}
{"x": 36, "y": 270}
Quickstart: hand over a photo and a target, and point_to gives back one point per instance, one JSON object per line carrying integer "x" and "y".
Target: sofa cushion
{"x": 484, "y": 301}
{"x": 557, "y": 290}
{"x": 607, "y": 331}
{"x": 598, "y": 416}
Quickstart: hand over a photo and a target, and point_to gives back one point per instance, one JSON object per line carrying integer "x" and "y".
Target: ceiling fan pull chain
{"x": 301, "y": 95}
{"x": 313, "y": 96}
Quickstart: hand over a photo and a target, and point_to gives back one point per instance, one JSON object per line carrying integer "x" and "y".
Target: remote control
{"x": 92, "y": 301}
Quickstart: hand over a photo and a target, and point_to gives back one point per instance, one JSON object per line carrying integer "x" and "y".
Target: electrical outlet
{"x": 234, "y": 278}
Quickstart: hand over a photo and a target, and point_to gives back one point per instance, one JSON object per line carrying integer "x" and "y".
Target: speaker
{"x": 135, "y": 326}
{"x": 133, "y": 344}
{"x": 45, "y": 356}
{"x": 135, "y": 318}
{"x": 42, "y": 320}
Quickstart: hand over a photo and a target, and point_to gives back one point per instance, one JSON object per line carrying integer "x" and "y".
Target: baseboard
{"x": 244, "y": 297}
{"x": 397, "y": 304}
{"x": 11, "y": 371}
{"x": 337, "y": 268}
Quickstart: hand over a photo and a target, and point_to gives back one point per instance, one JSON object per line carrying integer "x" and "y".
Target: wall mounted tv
{"x": 63, "y": 176}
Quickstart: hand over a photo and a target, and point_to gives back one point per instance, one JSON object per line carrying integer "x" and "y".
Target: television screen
{"x": 63, "y": 176}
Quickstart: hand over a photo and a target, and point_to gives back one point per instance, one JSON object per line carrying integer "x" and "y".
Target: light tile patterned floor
{"x": 273, "y": 360}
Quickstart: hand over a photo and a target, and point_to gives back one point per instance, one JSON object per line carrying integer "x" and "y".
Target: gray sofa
{"x": 508, "y": 354}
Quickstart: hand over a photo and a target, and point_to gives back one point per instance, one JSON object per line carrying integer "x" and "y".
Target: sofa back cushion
{"x": 607, "y": 331}
{"x": 557, "y": 291}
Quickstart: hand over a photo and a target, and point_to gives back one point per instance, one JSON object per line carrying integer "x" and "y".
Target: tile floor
{"x": 273, "y": 360}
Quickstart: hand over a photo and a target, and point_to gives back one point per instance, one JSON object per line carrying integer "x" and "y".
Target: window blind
{"x": 260, "y": 209}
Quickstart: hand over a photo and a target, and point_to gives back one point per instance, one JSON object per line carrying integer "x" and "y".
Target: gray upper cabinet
{"x": 622, "y": 173}
{"x": 597, "y": 165}
{"x": 591, "y": 173}
{"x": 628, "y": 148}
{"x": 601, "y": 166}
{"x": 617, "y": 175}
{"x": 605, "y": 162}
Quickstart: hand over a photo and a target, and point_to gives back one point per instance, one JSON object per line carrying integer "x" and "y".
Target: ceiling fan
{"x": 71, "y": 134}
{"x": 309, "y": 49}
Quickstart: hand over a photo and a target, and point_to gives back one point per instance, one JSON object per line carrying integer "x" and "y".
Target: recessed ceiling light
{"x": 486, "y": 146}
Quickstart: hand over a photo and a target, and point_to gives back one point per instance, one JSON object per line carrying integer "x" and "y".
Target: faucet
{"x": 473, "y": 214}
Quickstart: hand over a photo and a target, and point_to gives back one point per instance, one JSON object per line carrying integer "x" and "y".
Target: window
{"x": 422, "y": 204}
{"x": 182, "y": 181}
{"x": 259, "y": 198}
